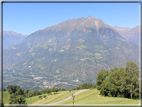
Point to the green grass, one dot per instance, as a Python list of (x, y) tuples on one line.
[(6, 97), (63, 95), (93, 97), (88, 97), (54, 97), (33, 99)]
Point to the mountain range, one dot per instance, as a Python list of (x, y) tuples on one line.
[(11, 38), (76, 49), (131, 35)]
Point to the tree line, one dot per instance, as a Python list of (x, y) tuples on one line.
[(119, 82), (85, 86)]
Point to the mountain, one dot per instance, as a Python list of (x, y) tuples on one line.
[(11, 38), (67, 54), (131, 35)]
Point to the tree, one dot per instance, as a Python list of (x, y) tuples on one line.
[(17, 99), (15, 89), (30, 93), (123, 82), (54, 89), (114, 69), (78, 87), (133, 70), (63, 89), (84, 86), (40, 97), (100, 77), (104, 88), (44, 96), (114, 82), (21, 99)]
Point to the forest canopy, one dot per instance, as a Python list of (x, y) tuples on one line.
[(119, 82)]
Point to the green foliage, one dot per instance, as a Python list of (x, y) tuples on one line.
[(85, 86), (100, 77), (121, 82), (30, 93), (40, 97), (54, 89), (62, 89), (44, 96), (4, 89), (16, 95), (14, 89), (17, 99)]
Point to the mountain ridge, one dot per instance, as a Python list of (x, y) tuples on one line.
[(11, 38), (67, 51), (130, 34)]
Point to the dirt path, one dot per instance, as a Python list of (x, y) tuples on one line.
[(65, 98)]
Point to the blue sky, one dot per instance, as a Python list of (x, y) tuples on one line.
[(26, 18)]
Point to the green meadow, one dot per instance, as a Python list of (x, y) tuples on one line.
[(88, 97), (55, 97), (93, 97), (6, 97)]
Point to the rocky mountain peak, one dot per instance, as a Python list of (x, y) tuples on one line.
[(91, 17)]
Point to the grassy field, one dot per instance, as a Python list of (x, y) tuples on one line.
[(6, 97), (88, 97), (34, 99), (55, 97), (93, 97)]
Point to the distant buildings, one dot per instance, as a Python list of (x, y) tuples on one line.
[(76, 80), (38, 78), (44, 83)]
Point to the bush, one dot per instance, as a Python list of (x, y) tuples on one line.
[(40, 97), (44, 96)]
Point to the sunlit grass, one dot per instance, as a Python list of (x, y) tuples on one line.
[(6, 97), (93, 97)]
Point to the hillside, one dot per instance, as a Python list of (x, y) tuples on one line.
[(132, 35), (12, 38), (6, 97), (93, 97), (66, 54), (88, 97)]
